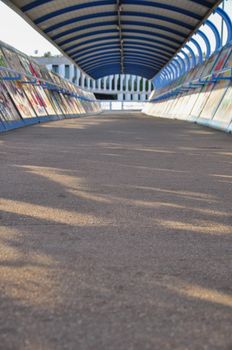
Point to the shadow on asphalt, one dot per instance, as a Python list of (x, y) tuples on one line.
[(115, 233)]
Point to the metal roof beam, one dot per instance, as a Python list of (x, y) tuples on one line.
[(119, 27)]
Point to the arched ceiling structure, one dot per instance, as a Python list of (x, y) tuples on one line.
[(117, 36)]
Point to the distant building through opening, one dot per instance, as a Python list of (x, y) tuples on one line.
[(125, 87)]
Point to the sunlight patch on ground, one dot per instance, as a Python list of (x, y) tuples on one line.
[(59, 176), (199, 226), (53, 215), (78, 123), (198, 292), (223, 176)]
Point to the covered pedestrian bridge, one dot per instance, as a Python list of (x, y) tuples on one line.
[(107, 37), (116, 226)]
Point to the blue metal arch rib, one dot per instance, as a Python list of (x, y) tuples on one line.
[(102, 15), (112, 23), (114, 42), (106, 31), (37, 3), (147, 37)]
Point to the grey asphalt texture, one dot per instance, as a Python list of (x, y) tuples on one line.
[(116, 234)]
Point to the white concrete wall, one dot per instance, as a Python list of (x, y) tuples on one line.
[(130, 85)]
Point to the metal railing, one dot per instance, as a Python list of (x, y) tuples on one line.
[(122, 105)]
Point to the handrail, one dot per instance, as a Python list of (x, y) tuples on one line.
[(208, 79), (39, 82)]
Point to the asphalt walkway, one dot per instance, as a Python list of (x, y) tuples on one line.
[(116, 234)]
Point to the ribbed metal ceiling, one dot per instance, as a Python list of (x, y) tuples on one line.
[(116, 36)]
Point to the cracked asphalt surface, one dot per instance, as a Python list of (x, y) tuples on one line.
[(116, 234)]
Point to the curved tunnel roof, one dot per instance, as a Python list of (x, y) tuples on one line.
[(107, 37)]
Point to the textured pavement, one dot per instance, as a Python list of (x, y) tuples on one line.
[(116, 234)]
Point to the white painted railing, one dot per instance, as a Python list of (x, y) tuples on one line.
[(122, 105)]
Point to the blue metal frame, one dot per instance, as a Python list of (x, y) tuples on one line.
[(36, 3), (130, 44), (199, 49), (216, 33), (174, 67), (96, 3), (126, 37), (187, 61), (193, 56), (194, 85), (177, 68), (129, 49), (142, 30), (177, 63), (127, 52), (123, 22), (161, 46), (101, 63), (107, 31), (36, 81), (207, 43), (186, 64), (182, 63), (227, 21), (8, 78), (101, 15)]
